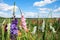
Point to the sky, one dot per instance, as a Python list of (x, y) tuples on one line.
[(30, 8)]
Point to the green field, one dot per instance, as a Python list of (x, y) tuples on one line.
[(38, 35)]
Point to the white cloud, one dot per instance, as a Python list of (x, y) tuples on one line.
[(8, 15), (56, 15), (57, 10), (47, 14), (30, 15), (5, 15), (27, 15), (7, 10), (44, 9), (44, 12), (6, 7), (43, 3)]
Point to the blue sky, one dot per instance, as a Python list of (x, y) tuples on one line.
[(31, 8)]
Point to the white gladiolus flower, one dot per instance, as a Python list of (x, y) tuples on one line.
[(34, 30), (8, 26), (52, 28), (43, 25)]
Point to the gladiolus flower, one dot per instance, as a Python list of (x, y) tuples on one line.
[(34, 30), (43, 25), (52, 28), (23, 23), (13, 28)]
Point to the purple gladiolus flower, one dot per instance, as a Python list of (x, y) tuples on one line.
[(13, 28), (15, 21)]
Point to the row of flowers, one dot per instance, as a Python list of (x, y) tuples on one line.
[(13, 26)]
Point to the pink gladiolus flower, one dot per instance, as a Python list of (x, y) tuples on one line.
[(23, 23)]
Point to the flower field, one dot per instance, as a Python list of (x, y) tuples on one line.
[(37, 29)]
